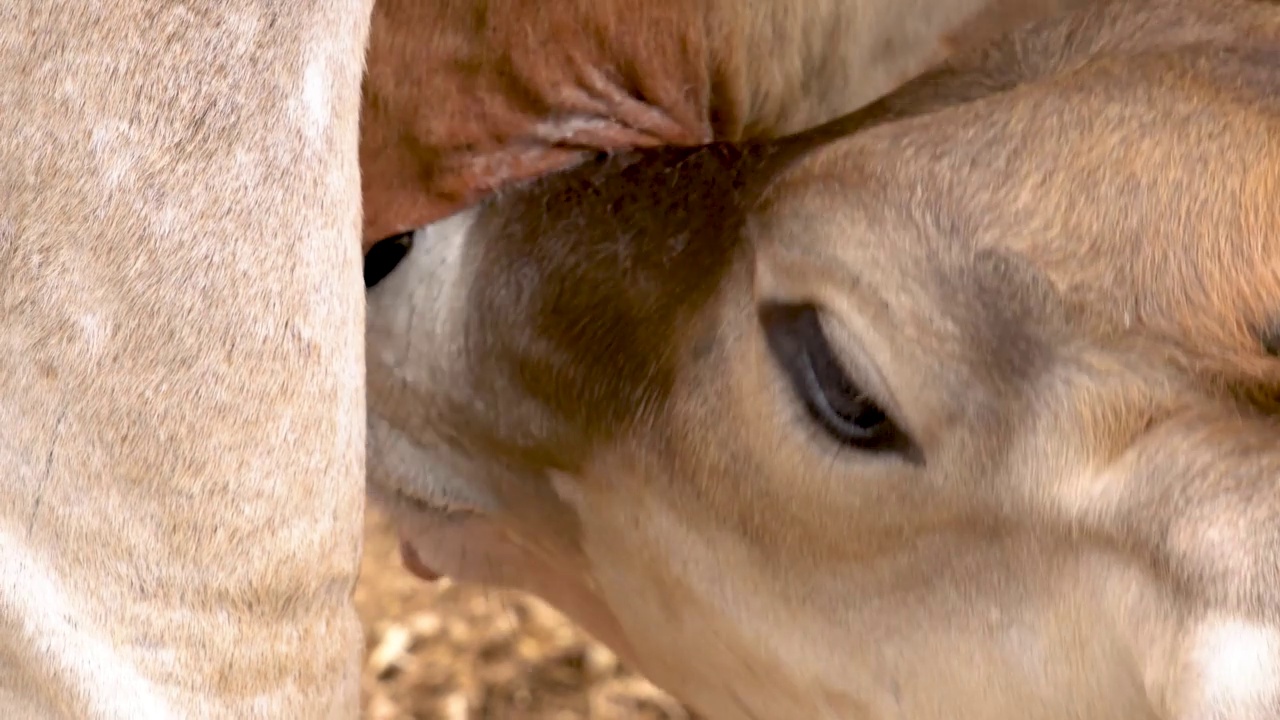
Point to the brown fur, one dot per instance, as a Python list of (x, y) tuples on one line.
[(463, 98), (1052, 263), (181, 397)]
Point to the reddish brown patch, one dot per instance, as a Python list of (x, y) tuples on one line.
[(463, 97)]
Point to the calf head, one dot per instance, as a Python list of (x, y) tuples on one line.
[(961, 406)]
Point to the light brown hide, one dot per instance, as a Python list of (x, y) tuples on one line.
[(1054, 263), (466, 97), (181, 373)]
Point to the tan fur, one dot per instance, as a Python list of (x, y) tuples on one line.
[(1054, 263), (181, 391), (464, 98)]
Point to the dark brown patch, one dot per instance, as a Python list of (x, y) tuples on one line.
[(587, 277), (1270, 338)]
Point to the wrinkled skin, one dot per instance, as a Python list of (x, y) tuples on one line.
[(463, 98)]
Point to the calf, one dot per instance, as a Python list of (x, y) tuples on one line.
[(960, 406)]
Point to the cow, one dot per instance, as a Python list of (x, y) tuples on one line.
[(182, 379), (182, 430), (962, 405)]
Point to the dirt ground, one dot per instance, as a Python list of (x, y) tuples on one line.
[(446, 651)]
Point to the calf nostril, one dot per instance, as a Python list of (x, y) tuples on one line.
[(384, 256)]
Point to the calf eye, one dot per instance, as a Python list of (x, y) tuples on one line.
[(844, 411)]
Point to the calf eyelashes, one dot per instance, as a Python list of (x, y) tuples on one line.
[(835, 402)]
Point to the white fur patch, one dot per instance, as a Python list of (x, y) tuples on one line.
[(1239, 667), (568, 129), (421, 298), (568, 492), (37, 615), (410, 335), (95, 331), (315, 97)]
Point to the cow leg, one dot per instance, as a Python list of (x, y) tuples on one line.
[(181, 358)]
